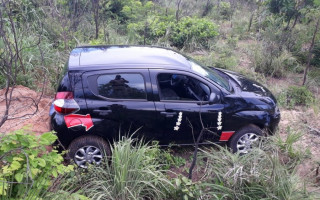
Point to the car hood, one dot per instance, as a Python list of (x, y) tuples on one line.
[(249, 88)]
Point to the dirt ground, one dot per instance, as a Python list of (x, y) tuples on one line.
[(23, 112), (306, 122)]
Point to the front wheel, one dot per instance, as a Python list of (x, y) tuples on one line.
[(245, 139), (88, 150)]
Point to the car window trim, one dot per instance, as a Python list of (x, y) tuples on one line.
[(178, 101), (116, 100)]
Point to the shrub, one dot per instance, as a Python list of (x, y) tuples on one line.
[(188, 33), (269, 61), (226, 10), (186, 189), (26, 166), (193, 29), (296, 95)]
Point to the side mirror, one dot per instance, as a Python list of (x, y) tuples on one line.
[(214, 98)]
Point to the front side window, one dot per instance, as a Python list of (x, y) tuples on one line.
[(122, 86), (181, 87)]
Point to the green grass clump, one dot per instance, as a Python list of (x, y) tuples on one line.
[(256, 175), (132, 172), (296, 96)]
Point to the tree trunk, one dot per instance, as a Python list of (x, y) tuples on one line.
[(295, 21), (287, 27), (178, 10), (95, 10), (195, 153), (250, 21), (310, 52)]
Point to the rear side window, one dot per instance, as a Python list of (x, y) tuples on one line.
[(122, 86)]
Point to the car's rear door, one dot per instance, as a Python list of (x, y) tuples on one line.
[(120, 102)]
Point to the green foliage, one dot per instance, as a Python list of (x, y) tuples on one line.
[(187, 33), (135, 9), (296, 95), (256, 175), (26, 166), (269, 61), (168, 160), (288, 147), (132, 173), (190, 30), (316, 55), (186, 189), (225, 10), (222, 56)]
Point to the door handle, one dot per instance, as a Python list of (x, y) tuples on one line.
[(168, 114), (102, 112)]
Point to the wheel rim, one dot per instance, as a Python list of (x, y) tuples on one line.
[(245, 143), (88, 154)]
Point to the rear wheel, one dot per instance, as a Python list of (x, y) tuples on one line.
[(245, 139), (88, 150)]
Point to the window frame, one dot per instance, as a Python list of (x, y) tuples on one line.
[(156, 74)]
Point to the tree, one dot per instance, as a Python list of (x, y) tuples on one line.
[(313, 14), (289, 9), (18, 20)]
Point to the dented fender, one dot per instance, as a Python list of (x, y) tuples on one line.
[(261, 117)]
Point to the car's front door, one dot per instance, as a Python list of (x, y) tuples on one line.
[(120, 103), (181, 109)]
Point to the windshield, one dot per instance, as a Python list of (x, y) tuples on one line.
[(209, 73)]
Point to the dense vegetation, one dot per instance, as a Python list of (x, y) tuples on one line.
[(265, 39)]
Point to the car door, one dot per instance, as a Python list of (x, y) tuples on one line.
[(120, 102), (181, 109)]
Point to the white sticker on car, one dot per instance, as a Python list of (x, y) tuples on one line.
[(219, 121), (178, 123)]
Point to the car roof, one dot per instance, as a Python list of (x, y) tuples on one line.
[(103, 57)]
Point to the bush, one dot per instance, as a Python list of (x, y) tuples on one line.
[(189, 30), (270, 62), (225, 10), (26, 166), (186, 189), (296, 96), (188, 33)]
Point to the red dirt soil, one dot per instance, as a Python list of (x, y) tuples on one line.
[(23, 111)]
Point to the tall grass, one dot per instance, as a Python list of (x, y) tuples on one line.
[(256, 175), (131, 173)]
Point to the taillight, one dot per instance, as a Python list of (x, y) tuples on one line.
[(64, 103)]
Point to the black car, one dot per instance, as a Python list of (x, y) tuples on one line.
[(111, 91)]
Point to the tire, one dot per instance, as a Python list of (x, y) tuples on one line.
[(88, 150), (244, 139)]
